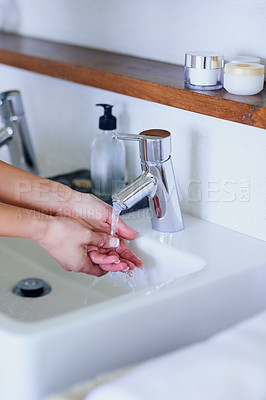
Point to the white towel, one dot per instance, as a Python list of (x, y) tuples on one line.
[(229, 366)]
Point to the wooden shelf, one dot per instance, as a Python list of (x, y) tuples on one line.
[(144, 79)]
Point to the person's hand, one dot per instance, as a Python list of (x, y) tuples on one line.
[(79, 249), (79, 226), (127, 260), (97, 214)]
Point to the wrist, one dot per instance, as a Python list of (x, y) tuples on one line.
[(39, 226), (68, 203), (48, 232), (55, 198)]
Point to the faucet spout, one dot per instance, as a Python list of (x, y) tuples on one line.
[(144, 185)]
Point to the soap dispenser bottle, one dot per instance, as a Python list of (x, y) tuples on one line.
[(107, 157)]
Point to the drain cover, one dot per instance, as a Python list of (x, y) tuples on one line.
[(32, 287)]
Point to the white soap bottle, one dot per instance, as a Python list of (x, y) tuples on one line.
[(108, 163)]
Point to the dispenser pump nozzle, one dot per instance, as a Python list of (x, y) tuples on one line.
[(107, 121)]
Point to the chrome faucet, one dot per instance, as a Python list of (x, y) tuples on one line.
[(15, 132), (157, 181)]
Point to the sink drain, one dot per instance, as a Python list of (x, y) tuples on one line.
[(32, 287)]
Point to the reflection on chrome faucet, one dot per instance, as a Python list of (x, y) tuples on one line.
[(15, 132), (157, 181)]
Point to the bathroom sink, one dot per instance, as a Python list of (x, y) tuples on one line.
[(22, 259), (193, 284)]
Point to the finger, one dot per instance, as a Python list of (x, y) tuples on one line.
[(127, 254), (90, 248), (125, 231), (101, 240), (130, 265), (87, 267), (122, 266), (100, 258), (93, 269)]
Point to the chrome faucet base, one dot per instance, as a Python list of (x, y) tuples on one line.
[(166, 215)]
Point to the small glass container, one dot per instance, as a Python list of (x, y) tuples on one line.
[(204, 70), (243, 79)]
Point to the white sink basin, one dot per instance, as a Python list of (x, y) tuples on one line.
[(193, 284), (21, 259)]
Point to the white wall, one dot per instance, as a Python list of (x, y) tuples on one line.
[(158, 29), (219, 165)]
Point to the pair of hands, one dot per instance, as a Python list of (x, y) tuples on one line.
[(78, 237)]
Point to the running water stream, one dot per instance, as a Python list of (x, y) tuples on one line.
[(113, 275), (115, 218)]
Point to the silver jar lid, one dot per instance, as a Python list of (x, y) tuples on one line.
[(204, 60)]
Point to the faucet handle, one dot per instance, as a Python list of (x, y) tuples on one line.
[(11, 104), (126, 136), (151, 134), (155, 134), (154, 144)]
